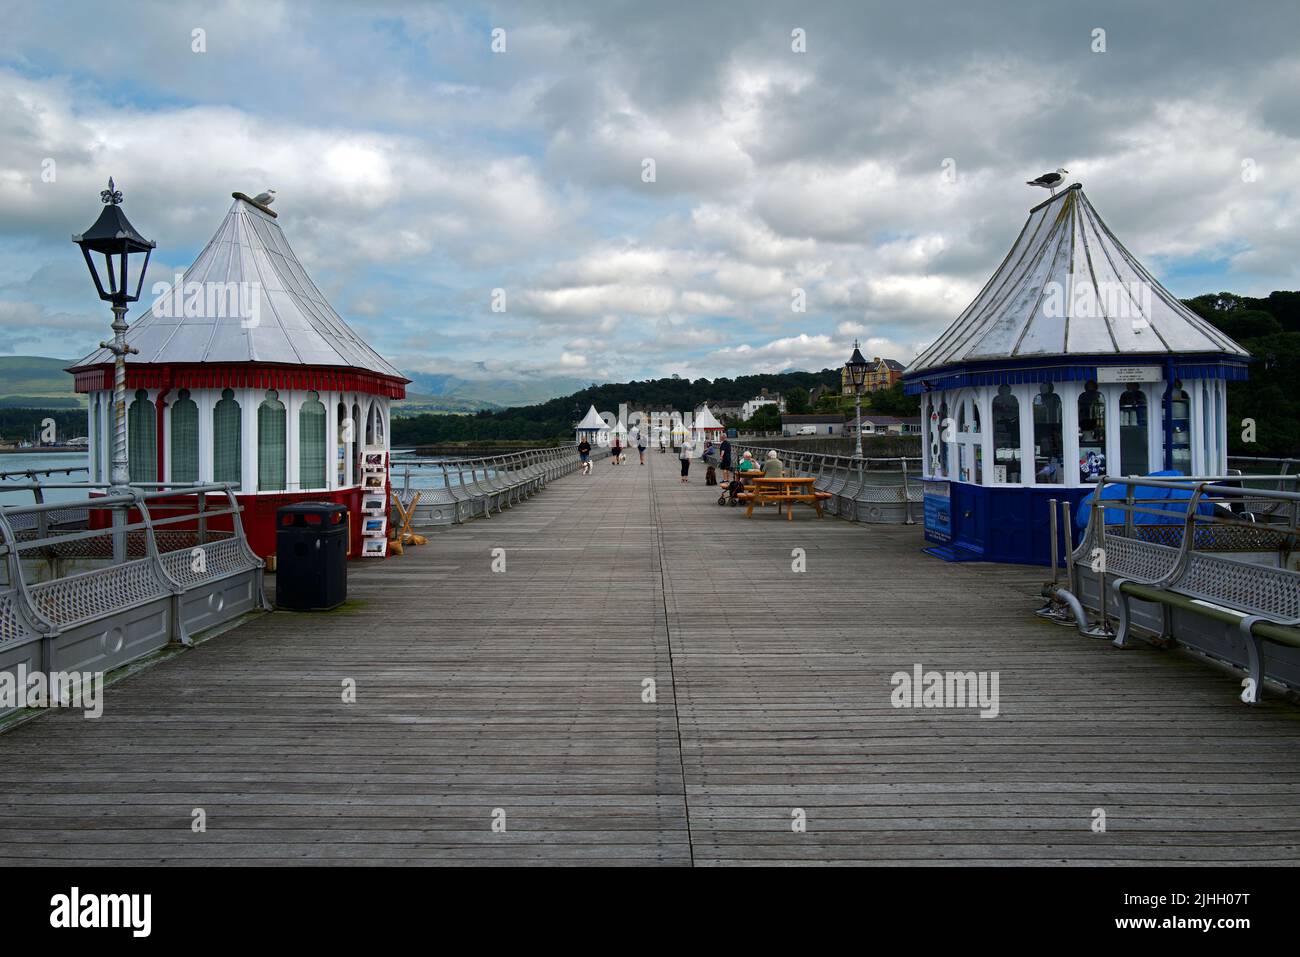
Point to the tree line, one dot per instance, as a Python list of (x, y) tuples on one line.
[(556, 418), (1268, 328)]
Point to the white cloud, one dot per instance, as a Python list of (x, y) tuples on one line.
[(416, 171)]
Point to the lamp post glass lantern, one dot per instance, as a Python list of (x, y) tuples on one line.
[(856, 368), (118, 282)]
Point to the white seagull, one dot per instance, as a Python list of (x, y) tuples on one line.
[(1049, 180), (265, 199)]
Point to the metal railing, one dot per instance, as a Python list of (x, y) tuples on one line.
[(17, 480), (451, 491), (94, 584), (870, 490), (1185, 561), (30, 474)]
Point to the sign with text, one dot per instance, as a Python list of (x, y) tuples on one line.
[(1126, 374), (938, 512)]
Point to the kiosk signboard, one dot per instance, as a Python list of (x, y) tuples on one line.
[(938, 512)]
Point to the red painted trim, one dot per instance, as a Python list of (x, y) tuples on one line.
[(241, 375), (258, 516)]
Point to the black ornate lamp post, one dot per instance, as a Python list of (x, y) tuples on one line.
[(856, 368), (113, 237)]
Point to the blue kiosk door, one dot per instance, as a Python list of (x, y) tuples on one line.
[(970, 516)]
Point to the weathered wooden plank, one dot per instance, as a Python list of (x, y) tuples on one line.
[(522, 690)]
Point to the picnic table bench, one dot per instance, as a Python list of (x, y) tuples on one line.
[(784, 491)]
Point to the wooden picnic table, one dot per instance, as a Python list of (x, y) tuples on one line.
[(785, 491)]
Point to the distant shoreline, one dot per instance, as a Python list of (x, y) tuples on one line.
[(65, 449)]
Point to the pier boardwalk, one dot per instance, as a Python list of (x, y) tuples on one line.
[(518, 696)]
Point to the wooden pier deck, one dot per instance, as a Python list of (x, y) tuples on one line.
[(482, 692)]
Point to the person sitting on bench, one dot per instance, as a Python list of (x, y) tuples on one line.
[(773, 467)]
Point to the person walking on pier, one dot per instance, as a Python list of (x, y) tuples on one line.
[(616, 451), (724, 459), (584, 456), (685, 454), (640, 447)]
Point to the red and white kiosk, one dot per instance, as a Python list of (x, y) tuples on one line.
[(245, 374)]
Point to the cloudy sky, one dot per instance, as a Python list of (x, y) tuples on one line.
[(418, 170)]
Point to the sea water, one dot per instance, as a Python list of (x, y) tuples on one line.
[(17, 461), (427, 475)]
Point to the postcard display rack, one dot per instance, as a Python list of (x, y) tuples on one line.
[(374, 502)]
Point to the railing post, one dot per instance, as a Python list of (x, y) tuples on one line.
[(1067, 532), (202, 504), (1099, 536), (1051, 506), (907, 497)]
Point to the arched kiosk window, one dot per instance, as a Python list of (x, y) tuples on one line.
[(142, 439), (970, 451), (1049, 451), (357, 443), (311, 443), (97, 412), (945, 436), (1092, 433), (227, 438), (271, 443), (933, 430), (185, 438), (1006, 436), (1134, 443), (1180, 420), (344, 445), (375, 425)]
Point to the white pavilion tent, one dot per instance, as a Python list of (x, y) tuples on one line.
[(707, 427), (592, 428)]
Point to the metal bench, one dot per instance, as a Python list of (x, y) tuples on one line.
[(134, 597), (1244, 613), (1263, 604)]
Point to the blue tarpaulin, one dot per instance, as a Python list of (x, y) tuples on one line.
[(1176, 508)]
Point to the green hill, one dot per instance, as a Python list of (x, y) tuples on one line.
[(37, 382), (555, 418)]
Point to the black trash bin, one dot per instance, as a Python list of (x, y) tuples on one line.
[(311, 556)]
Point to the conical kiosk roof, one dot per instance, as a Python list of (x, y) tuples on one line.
[(1069, 287)]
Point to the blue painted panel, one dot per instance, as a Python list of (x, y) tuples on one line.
[(1010, 525)]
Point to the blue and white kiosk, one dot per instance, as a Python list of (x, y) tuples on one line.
[(1072, 362)]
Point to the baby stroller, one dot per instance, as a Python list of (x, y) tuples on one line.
[(730, 491)]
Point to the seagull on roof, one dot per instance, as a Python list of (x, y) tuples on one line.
[(265, 199), (1049, 180)]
